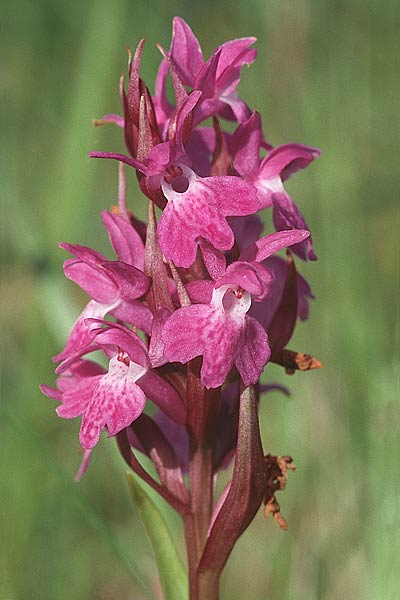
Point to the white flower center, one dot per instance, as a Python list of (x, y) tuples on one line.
[(121, 366), (232, 299)]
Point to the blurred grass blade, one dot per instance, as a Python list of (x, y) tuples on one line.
[(173, 577)]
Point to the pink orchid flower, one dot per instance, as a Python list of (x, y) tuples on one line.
[(218, 78), (116, 397), (221, 331), (115, 287), (269, 173), (196, 207)]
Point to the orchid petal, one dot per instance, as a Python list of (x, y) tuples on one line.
[(50, 392), (214, 260), (84, 253), (199, 148), (93, 280), (284, 321), (185, 51), (162, 106), (177, 437), (124, 339), (76, 399), (234, 55), (131, 282), (246, 229), (181, 119), (252, 277), (116, 403), (135, 313), (200, 211), (124, 238), (200, 291), (246, 142), (254, 351), (286, 160), (265, 311), (80, 334), (239, 108), (286, 215), (201, 330), (132, 162), (269, 244)]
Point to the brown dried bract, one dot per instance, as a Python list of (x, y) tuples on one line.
[(276, 474), (295, 361)]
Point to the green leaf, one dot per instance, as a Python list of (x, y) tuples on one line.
[(173, 577)]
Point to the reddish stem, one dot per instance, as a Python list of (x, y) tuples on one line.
[(203, 408)]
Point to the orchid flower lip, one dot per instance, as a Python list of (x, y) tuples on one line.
[(178, 179), (233, 299)]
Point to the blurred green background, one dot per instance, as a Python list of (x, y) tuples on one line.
[(324, 76)]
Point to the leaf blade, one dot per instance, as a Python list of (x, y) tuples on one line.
[(173, 577)]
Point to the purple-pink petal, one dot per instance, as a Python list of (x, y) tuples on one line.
[(214, 260), (80, 334), (200, 291), (124, 238), (92, 279), (201, 211), (200, 147), (162, 106), (135, 313), (206, 81), (183, 113), (234, 196), (286, 215), (187, 217), (203, 330), (79, 370), (185, 51), (252, 277), (234, 55), (286, 160), (254, 351), (51, 392), (77, 397), (117, 401), (122, 338), (246, 142), (177, 436), (235, 108), (130, 281), (132, 162), (274, 242), (246, 229), (83, 253), (264, 312)]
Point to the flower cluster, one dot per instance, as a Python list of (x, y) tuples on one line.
[(196, 302)]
